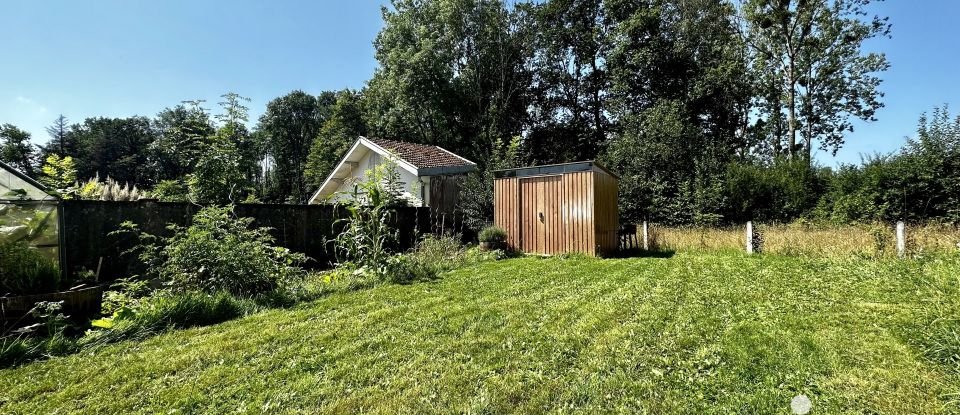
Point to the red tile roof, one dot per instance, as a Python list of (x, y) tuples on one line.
[(421, 156)]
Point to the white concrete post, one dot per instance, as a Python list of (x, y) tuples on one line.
[(646, 236), (750, 237), (901, 240)]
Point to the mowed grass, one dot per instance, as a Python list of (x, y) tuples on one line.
[(694, 333)]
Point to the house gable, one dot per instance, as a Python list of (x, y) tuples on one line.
[(415, 162)]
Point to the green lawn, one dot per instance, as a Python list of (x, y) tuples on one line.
[(695, 333)]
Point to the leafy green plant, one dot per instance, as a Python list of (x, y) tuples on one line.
[(492, 234), (367, 237), (24, 270), (171, 191), (219, 252), (60, 175)]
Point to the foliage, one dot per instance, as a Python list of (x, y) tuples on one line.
[(476, 192), (24, 270), (811, 71), (367, 237), (570, 81), (181, 133), (113, 147), (59, 174), (451, 73), (764, 328), (61, 142), (171, 191), (921, 181), (108, 190), (492, 234), (432, 256), (339, 131), (776, 193), (289, 125), (219, 252), (16, 149), (217, 177)]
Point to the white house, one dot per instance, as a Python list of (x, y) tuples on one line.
[(430, 174)]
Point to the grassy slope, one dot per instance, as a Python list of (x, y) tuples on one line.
[(717, 333)]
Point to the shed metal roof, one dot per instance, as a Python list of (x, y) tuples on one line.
[(548, 169)]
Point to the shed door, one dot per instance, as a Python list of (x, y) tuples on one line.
[(540, 214)]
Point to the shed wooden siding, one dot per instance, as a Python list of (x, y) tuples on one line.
[(506, 212), (606, 212), (580, 212)]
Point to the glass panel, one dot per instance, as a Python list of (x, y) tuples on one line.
[(28, 214)]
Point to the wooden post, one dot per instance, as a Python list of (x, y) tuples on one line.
[(901, 240), (749, 237), (646, 236)]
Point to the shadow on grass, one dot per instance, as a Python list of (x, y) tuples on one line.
[(640, 253)]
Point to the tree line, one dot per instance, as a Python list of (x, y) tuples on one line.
[(709, 111)]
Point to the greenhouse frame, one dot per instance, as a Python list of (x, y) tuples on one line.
[(29, 214)]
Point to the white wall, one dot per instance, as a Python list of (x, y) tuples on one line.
[(411, 183)]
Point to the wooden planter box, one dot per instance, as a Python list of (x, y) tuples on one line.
[(80, 302)]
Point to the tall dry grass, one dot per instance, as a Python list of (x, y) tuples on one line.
[(797, 239)]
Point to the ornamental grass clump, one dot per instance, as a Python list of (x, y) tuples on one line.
[(492, 237)]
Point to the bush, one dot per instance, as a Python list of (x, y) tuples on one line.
[(220, 252), (492, 234), (24, 270)]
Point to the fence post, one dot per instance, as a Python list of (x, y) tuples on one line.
[(646, 236), (901, 240), (749, 237)]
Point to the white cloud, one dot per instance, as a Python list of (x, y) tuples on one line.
[(40, 109)]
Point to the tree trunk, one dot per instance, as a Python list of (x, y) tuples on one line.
[(792, 110)]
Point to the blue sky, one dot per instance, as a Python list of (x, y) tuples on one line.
[(121, 58)]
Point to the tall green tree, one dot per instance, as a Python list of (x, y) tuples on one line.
[(808, 56), (570, 82), (679, 96), (452, 73), (16, 149), (115, 148), (289, 127), (221, 174), (181, 133), (60, 139)]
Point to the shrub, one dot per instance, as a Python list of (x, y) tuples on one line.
[(492, 234), (24, 270), (219, 252)]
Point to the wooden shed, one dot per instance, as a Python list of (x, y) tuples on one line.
[(558, 208)]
